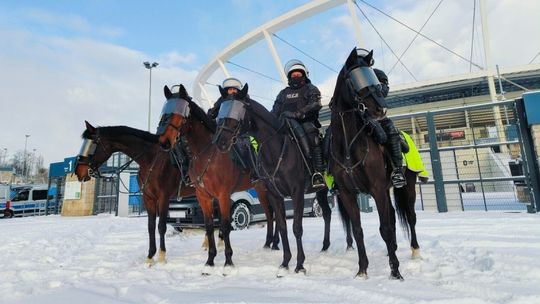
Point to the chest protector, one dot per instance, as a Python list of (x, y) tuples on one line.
[(295, 99)]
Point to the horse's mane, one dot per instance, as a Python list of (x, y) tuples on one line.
[(123, 131), (200, 115), (196, 111), (339, 83), (262, 113)]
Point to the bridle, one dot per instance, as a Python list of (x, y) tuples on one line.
[(180, 129), (86, 155), (235, 110)]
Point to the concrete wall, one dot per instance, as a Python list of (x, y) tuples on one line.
[(83, 206)]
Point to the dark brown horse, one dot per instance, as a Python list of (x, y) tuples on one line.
[(281, 166), (214, 174), (359, 164), (159, 180)]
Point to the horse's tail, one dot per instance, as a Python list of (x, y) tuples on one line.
[(401, 198)]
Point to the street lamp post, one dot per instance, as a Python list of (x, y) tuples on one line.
[(150, 66), (4, 158), (24, 161)]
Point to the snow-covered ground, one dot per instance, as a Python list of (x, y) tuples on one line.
[(467, 257)]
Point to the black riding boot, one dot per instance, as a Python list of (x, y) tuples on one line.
[(393, 145), (317, 180), (253, 172), (182, 159)]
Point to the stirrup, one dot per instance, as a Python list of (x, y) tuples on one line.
[(398, 179), (187, 181), (317, 180)]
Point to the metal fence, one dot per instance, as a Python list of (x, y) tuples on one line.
[(477, 156), (106, 194)]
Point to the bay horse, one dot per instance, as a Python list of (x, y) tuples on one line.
[(214, 174), (159, 180), (281, 167), (360, 164)]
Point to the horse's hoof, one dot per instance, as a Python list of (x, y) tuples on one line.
[(266, 247), (275, 247), (207, 270), (162, 258), (361, 275), (149, 262), (325, 247), (416, 254), (395, 275), (282, 271), (300, 269), (349, 249)]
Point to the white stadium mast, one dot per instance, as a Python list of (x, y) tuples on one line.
[(265, 31)]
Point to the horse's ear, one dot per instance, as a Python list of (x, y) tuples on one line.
[(167, 92), (243, 92), (369, 58), (183, 92), (352, 59), (89, 127), (222, 91)]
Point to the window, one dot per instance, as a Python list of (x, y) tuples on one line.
[(39, 195), (21, 196)]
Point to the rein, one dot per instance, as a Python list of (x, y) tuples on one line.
[(268, 176), (360, 110)]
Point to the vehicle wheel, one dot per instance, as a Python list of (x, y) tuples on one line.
[(240, 216), (317, 210), (8, 213)]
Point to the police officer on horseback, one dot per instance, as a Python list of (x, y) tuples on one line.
[(300, 103), (393, 140), (228, 89)]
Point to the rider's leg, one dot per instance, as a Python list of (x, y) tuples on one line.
[(393, 144), (316, 153)]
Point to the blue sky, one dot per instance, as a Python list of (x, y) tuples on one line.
[(64, 62)]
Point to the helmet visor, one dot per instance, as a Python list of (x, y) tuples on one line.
[(176, 106), (234, 109), (362, 77), (88, 148)]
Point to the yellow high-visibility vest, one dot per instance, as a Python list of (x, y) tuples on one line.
[(254, 143), (412, 159)]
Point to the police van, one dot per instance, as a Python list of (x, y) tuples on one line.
[(24, 200), (246, 209)]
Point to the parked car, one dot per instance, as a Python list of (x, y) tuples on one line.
[(246, 209), (25, 200)]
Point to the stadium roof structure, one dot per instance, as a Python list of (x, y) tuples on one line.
[(521, 78)]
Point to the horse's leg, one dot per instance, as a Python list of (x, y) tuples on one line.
[(268, 212), (298, 230), (346, 220), (322, 199), (225, 212), (206, 204), (275, 239), (348, 199), (162, 228), (151, 210), (281, 225), (387, 228), (411, 190)]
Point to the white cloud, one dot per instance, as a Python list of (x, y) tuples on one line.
[(175, 58), (50, 85), (69, 22)]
